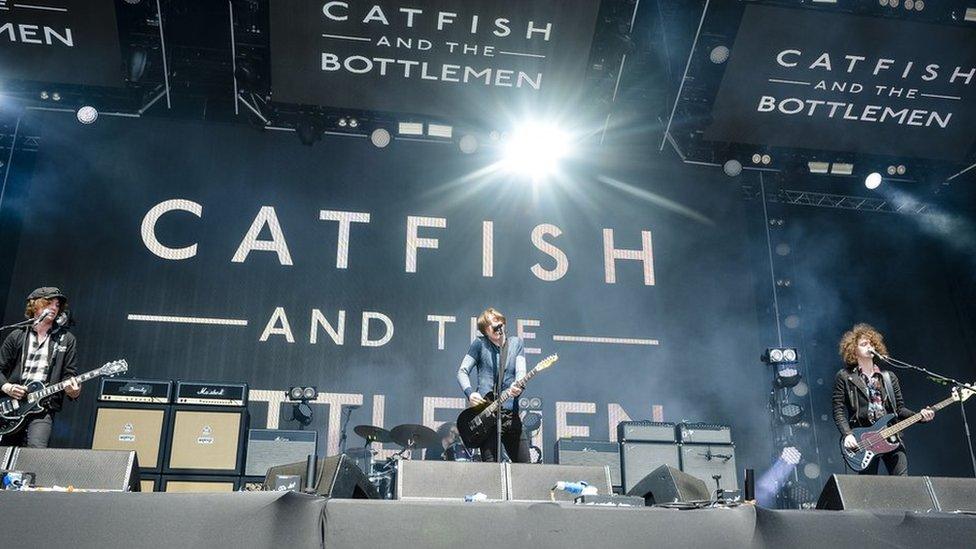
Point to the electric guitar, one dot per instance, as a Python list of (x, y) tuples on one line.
[(880, 438), (476, 423), (13, 412)]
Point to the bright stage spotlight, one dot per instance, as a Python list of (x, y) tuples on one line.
[(873, 180), (87, 114), (536, 150)]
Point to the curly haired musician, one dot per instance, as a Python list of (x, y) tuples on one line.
[(483, 356), (861, 396), (42, 352)]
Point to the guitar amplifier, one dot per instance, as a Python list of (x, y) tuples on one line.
[(136, 390), (645, 431), (138, 427), (590, 452), (206, 441), (269, 447), (704, 433), (206, 393), (708, 460)]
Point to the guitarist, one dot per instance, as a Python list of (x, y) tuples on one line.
[(862, 395), (42, 352), (484, 355)]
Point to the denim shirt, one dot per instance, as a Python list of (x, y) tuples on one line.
[(483, 355)]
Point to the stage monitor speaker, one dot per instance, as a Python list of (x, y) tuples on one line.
[(269, 447), (449, 480), (6, 452), (206, 442), (637, 459), (534, 482), (110, 470), (199, 484), (668, 485), (590, 452), (150, 483), (707, 460), (337, 477), (845, 492), (131, 428)]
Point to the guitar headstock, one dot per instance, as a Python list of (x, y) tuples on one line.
[(961, 394), (114, 368), (546, 362)]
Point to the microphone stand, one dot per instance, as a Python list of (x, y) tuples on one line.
[(502, 364), (962, 405), (21, 324), (342, 437)]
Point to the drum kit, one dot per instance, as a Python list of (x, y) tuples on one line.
[(409, 437)]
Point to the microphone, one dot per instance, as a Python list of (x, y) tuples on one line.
[(876, 353), (40, 318), (498, 328)]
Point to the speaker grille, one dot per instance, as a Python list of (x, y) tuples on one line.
[(703, 461), (130, 429), (449, 480), (6, 452), (83, 469), (600, 453), (206, 441), (269, 447), (531, 482), (844, 492)]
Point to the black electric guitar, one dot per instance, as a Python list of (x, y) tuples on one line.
[(13, 412), (476, 423), (880, 438)]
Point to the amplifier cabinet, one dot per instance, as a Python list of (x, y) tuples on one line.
[(590, 452), (199, 483), (150, 483), (211, 393), (707, 460), (145, 391), (269, 447), (645, 431), (704, 433), (638, 459), (206, 441), (142, 428)]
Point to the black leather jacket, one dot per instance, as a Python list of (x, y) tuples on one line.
[(851, 400), (62, 360)]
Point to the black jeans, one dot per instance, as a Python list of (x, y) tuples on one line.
[(35, 432), (895, 462), (515, 444)]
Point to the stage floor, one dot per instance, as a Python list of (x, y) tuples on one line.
[(289, 520)]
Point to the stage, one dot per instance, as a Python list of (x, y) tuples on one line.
[(286, 519)]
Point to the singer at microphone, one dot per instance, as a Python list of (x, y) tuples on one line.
[(42, 351), (864, 393)]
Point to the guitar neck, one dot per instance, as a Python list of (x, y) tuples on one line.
[(58, 387), (503, 398), (912, 420)]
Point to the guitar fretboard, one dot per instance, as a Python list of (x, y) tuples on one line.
[(912, 420), (58, 387), (507, 395)]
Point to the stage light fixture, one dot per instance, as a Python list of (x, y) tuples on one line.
[(56, 96), (380, 137), (531, 422), (811, 470), (766, 159), (87, 114), (440, 130), (411, 128), (530, 403), (891, 170), (818, 167), (841, 168), (780, 355), (732, 167), (873, 180), (756, 158), (536, 150), (301, 393), (343, 122), (719, 55), (45, 95), (900, 169), (801, 389), (970, 15), (468, 143), (791, 455), (790, 413), (786, 376)]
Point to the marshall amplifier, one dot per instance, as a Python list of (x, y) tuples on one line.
[(136, 390), (269, 447), (590, 452), (704, 433), (645, 431), (206, 393)]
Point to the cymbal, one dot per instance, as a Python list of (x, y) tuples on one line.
[(417, 436), (373, 433)]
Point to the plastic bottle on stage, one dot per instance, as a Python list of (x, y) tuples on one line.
[(476, 497), (577, 488)]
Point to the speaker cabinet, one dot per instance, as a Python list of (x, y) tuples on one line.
[(132, 427), (449, 480), (705, 461), (6, 452), (533, 482), (337, 477), (668, 485), (591, 452), (199, 484), (269, 447), (150, 483), (637, 459), (109, 470), (845, 492), (206, 441)]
